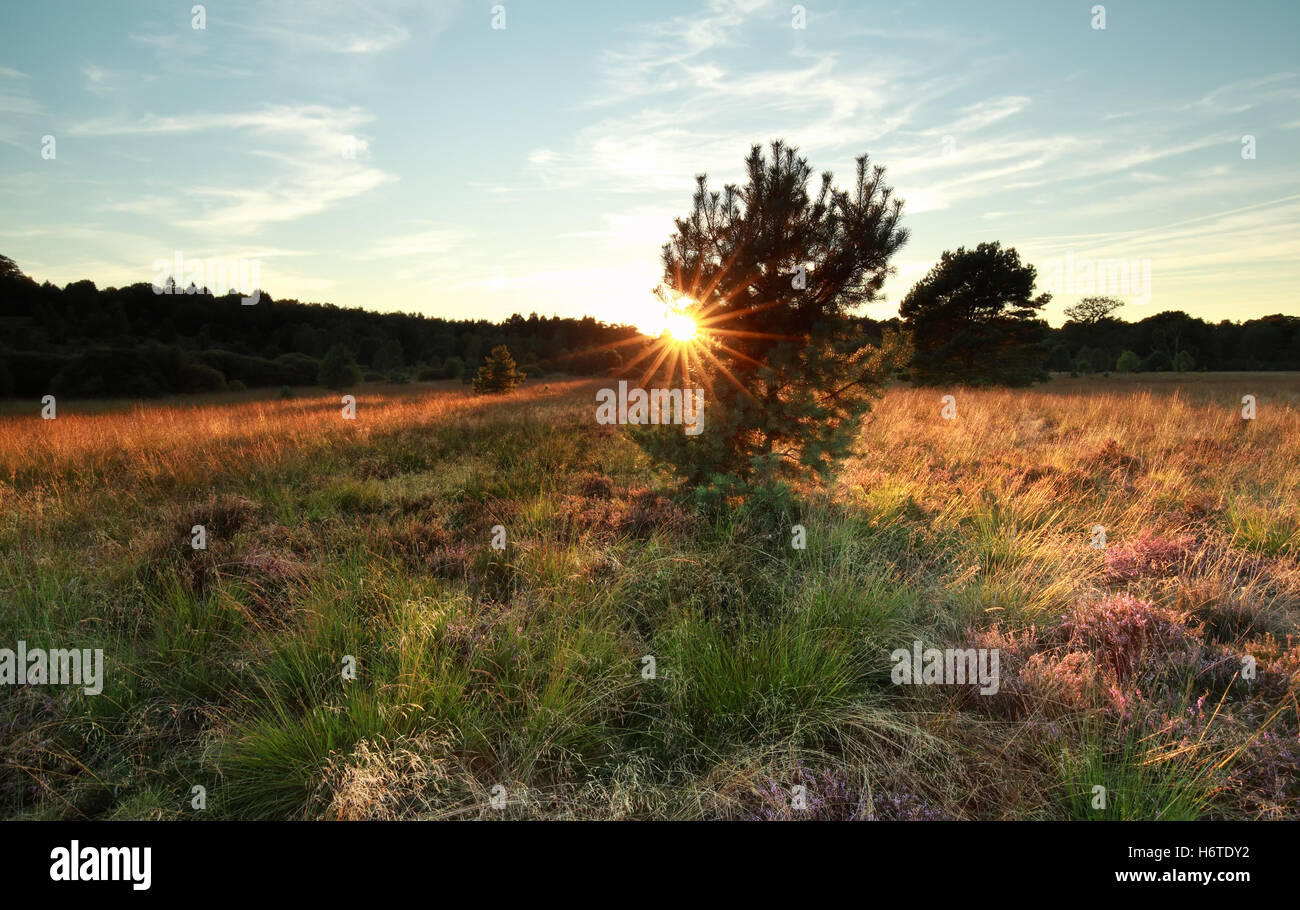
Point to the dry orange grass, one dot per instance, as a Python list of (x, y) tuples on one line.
[(181, 443), (1161, 453)]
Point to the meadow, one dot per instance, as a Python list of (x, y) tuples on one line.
[(513, 683)]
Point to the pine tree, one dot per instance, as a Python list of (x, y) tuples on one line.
[(975, 321), (771, 275), (498, 374)]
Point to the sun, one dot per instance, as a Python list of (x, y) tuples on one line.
[(681, 327)]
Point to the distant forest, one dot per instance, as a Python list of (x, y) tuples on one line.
[(1172, 340), (82, 341)]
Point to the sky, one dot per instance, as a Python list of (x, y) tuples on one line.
[(477, 159)]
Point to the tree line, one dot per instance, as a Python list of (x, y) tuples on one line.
[(1171, 340), (973, 320), (80, 340)]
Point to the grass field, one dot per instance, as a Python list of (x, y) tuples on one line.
[(512, 683)]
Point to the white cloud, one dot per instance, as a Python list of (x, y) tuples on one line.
[(306, 142), (982, 114), (97, 79), (343, 27), (1246, 94), (16, 101)]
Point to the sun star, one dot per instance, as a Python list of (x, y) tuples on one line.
[(680, 327)]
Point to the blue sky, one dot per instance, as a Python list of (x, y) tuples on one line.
[(538, 167)]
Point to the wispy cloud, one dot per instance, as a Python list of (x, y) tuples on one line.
[(1247, 94), (97, 79), (16, 102), (982, 114), (339, 26), (305, 149)]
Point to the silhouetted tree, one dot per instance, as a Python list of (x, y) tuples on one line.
[(771, 274), (974, 320), (1089, 323), (1091, 310), (9, 270)]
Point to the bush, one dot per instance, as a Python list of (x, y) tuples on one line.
[(1156, 361), (236, 385), (201, 378), (1184, 362), (338, 368), (453, 368), (146, 370), (1128, 362), (104, 372), (298, 369), (254, 372)]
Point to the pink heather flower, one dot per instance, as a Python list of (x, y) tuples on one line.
[(1149, 555), (1126, 632)]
